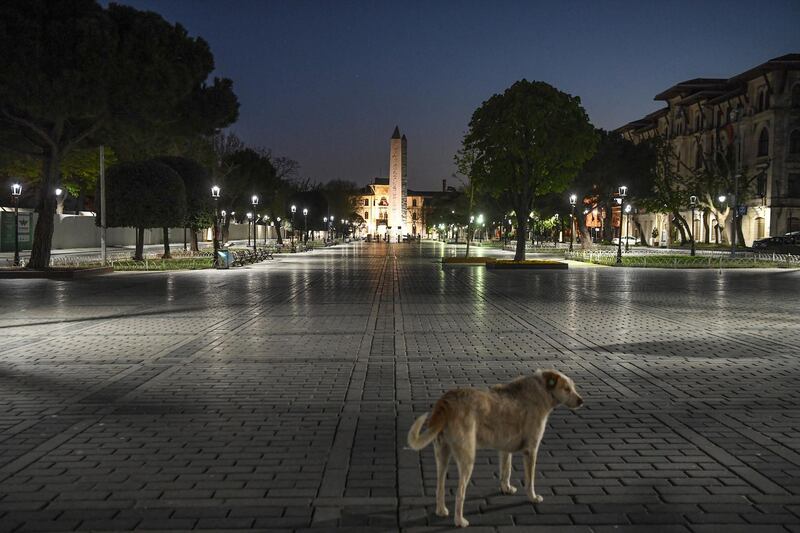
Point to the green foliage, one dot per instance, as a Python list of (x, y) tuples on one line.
[(341, 197), (197, 184), (73, 74), (248, 172), (144, 194), (529, 141)]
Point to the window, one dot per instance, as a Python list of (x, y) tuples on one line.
[(793, 190), (762, 102), (796, 95), (760, 229), (366, 202), (366, 215), (763, 143), (794, 142), (414, 202)]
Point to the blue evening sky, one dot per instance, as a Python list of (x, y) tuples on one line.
[(325, 82)]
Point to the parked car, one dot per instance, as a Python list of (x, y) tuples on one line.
[(630, 240), (788, 243)]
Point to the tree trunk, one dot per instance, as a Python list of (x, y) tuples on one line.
[(608, 226), (522, 227), (683, 227), (280, 240), (194, 246), (586, 235), (167, 254), (45, 207), (138, 254), (706, 229), (739, 232), (642, 236), (226, 228)]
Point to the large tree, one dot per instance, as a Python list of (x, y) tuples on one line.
[(144, 194), (197, 183), (528, 141), (73, 74)]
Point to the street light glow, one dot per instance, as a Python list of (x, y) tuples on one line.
[(215, 192), (16, 189), (573, 199), (294, 209), (254, 200), (721, 198), (59, 190), (305, 211)]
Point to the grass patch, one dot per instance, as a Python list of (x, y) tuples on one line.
[(683, 261), (178, 263)]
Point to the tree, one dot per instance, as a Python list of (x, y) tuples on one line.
[(197, 184), (616, 162), (144, 194), (528, 141), (248, 173), (341, 196), (73, 75)]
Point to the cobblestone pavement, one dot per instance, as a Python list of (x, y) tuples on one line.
[(278, 396)]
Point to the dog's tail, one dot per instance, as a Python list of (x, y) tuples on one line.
[(436, 423)]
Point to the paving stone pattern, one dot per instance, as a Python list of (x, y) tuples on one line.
[(277, 397)]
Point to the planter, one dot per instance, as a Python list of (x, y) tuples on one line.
[(527, 265), (467, 261), (54, 273)]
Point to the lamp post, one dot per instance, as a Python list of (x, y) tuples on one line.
[(16, 191), (249, 221), (305, 225), (621, 194), (254, 201), (734, 118), (215, 192), (627, 228), (692, 204), (294, 210), (278, 220), (327, 229), (573, 199), (265, 219)]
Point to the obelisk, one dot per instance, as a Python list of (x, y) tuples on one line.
[(398, 185)]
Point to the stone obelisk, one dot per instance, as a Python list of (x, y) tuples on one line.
[(398, 185)]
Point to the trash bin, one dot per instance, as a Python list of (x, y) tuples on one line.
[(224, 258)]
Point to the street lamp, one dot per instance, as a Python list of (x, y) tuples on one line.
[(692, 204), (249, 220), (327, 229), (294, 210), (621, 194), (215, 192), (265, 219), (627, 228), (280, 240), (305, 225), (16, 191), (254, 201), (573, 199)]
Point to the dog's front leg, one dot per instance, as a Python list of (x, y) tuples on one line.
[(529, 456), (505, 474)]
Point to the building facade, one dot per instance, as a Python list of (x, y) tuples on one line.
[(756, 116), (388, 208)]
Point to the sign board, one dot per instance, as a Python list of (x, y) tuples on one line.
[(25, 226)]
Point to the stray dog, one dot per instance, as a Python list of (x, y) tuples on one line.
[(509, 418)]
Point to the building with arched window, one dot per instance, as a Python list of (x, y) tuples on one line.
[(753, 119)]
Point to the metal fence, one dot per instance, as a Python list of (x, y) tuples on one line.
[(709, 259)]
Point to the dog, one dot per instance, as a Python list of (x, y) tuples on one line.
[(508, 418)]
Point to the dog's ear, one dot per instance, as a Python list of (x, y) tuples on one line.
[(550, 379)]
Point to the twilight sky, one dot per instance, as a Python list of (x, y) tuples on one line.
[(325, 82)]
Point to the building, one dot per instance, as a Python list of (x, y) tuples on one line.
[(388, 208), (757, 115)]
